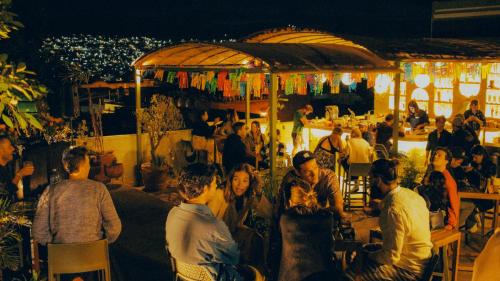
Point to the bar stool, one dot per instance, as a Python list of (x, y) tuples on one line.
[(356, 170)]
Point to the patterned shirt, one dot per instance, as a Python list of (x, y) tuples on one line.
[(79, 211)]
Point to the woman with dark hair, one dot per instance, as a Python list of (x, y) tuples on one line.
[(327, 149), (479, 174), (255, 142), (202, 136), (246, 211), (436, 197), (231, 118), (306, 236), (417, 118), (201, 127)]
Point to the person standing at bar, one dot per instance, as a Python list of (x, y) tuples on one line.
[(299, 120), (474, 118), (417, 118), (437, 138)]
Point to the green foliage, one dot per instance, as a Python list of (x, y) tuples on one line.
[(411, 169), (158, 119), (16, 82), (12, 216)]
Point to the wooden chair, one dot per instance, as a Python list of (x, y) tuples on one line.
[(356, 170), (78, 258), (429, 268), (189, 272), (381, 151)]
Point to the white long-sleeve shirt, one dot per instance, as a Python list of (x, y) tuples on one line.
[(359, 150), (404, 221)]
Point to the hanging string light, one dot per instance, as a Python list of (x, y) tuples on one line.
[(347, 79), (422, 80), (382, 82)]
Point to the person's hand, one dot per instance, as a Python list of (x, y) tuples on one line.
[(26, 171), (216, 120), (468, 168), (448, 227)]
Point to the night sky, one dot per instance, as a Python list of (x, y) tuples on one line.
[(205, 20)]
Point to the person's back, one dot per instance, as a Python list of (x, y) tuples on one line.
[(191, 231), (79, 211), (406, 212), (359, 150)]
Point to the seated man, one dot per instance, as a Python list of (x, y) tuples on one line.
[(194, 235), (404, 221), (78, 209), (323, 182)]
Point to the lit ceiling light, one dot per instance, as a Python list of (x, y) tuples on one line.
[(422, 80), (382, 83), (347, 79), (469, 90)]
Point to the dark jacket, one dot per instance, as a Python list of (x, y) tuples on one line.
[(464, 138), (433, 141), (202, 129), (235, 153)]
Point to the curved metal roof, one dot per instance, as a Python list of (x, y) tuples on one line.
[(258, 57), (296, 35)]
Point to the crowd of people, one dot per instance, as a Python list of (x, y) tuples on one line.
[(236, 232)]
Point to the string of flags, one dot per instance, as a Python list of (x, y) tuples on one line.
[(239, 83)]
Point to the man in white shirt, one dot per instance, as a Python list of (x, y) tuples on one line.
[(404, 221)]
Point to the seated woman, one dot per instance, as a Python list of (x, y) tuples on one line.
[(479, 174), (327, 148), (306, 235), (417, 118), (246, 212), (436, 197)]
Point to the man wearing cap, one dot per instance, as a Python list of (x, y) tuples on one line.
[(437, 138), (458, 157), (323, 181), (299, 120), (474, 118)]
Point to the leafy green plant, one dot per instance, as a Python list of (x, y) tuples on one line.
[(12, 216), (411, 169), (158, 119), (16, 81)]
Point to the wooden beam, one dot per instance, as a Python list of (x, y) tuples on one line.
[(397, 96), (273, 122), (138, 115)]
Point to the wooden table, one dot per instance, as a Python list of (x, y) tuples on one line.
[(481, 196), (442, 239), (484, 196)]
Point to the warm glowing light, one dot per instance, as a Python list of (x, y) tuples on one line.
[(347, 79), (420, 95), (443, 109), (382, 83), (422, 80), (443, 82), (469, 90)]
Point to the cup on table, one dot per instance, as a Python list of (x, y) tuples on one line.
[(372, 247)]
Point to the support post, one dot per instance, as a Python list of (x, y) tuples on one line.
[(273, 122), (138, 118), (247, 109), (397, 96)]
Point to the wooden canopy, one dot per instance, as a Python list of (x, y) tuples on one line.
[(269, 57)]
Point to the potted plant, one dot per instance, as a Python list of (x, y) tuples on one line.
[(157, 120)]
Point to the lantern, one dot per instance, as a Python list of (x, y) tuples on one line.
[(469, 90), (382, 83), (347, 79), (420, 95), (422, 80)]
